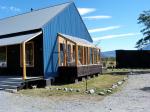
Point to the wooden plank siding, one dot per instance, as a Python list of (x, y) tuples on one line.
[(69, 74)]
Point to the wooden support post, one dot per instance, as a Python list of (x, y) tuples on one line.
[(24, 61), (88, 56), (97, 55), (58, 51), (71, 52), (76, 55), (93, 55), (83, 55), (65, 54)]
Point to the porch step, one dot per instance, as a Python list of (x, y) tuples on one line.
[(10, 82), (7, 83), (8, 86)]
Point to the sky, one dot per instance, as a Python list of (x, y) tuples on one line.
[(111, 23)]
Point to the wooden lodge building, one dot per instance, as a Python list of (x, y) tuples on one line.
[(47, 43)]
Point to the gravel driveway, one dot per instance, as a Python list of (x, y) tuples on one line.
[(135, 97)]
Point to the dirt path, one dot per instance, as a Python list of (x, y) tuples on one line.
[(135, 97)]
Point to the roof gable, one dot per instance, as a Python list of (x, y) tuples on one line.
[(31, 20)]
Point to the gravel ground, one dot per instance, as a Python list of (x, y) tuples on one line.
[(134, 97)]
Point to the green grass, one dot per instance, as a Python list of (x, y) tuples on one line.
[(98, 83)]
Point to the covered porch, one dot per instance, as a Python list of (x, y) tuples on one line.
[(77, 58), (17, 57)]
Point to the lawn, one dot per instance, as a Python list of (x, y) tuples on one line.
[(100, 83)]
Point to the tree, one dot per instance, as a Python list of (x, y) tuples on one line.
[(139, 44), (144, 19)]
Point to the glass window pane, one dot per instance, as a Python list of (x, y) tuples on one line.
[(3, 57), (62, 48), (29, 54)]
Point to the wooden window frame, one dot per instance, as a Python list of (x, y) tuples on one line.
[(21, 61), (88, 55), (5, 57)]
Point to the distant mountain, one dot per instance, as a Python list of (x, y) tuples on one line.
[(147, 47), (108, 54)]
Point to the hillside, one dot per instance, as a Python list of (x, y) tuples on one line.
[(108, 54)]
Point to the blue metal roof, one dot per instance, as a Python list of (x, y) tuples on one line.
[(78, 40), (17, 39), (30, 21)]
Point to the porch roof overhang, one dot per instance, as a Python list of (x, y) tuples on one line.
[(77, 40), (18, 39)]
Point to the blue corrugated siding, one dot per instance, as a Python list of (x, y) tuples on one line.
[(67, 22)]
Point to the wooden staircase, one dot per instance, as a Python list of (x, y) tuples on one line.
[(11, 83)]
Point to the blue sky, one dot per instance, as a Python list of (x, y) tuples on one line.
[(111, 23)]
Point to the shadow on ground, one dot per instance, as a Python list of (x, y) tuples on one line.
[(147, 89)]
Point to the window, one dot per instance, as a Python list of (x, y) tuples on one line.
[(62, 50), (91, 55), (85, 55), (3, 57), (80, 55), (29, 54), (95, 56), (68, 53), (74, 52)]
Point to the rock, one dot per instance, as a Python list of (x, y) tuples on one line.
[(124, 79), (65, 89), (70, 89), (120, 82), (87, 92), (91, 91), (78, 90), (14, 91), (50, 88), (131, 73), (34, 86), (47, 87), (109, 91), (11, 90), (104, 90), (114, 86), (101, 93), (59, 89)]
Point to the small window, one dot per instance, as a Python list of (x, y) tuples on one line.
[(95, 56), (68, 53), (91, 56), (29, 54), (85, 55), (80, 55), (74, 52), (62, 50), (3, 57)]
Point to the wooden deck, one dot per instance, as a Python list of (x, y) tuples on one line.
[(16, 82), (70, 73)]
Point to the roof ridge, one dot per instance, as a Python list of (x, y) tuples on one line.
[(58, 13), (37, 10)]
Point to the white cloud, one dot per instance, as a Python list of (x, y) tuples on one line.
[(104, 29), (84, 11), (10, 8), (115, 36), (97, 17)]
